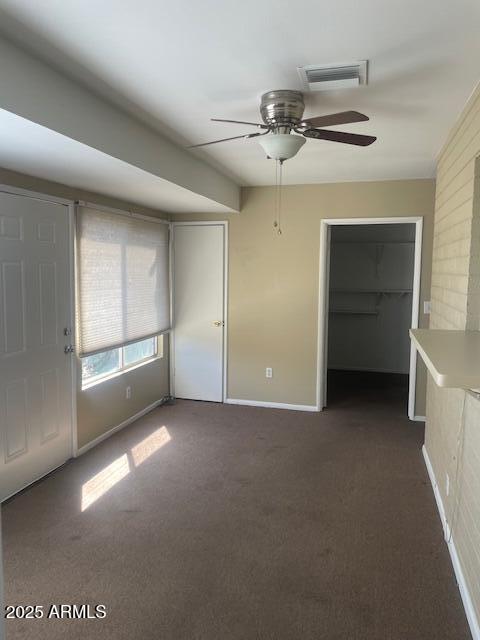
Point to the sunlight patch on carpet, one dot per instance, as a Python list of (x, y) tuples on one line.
[(103, 481), (150, 445)]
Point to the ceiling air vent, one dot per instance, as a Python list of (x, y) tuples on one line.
[(327, 77)]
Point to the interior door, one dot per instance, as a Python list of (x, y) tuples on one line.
[(35, 372), (198, 309)]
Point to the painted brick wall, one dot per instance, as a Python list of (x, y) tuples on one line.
[(455, 294)]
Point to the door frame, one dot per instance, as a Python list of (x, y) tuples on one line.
[(36, 195), (323, 300), (210, 223)]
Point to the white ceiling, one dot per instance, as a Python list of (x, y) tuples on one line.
[(29, 148), (180, 63)]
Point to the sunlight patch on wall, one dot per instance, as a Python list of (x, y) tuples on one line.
[(150, 445), (103, 481)]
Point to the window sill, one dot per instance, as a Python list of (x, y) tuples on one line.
[(116, 374)]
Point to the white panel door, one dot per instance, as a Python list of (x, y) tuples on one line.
[(35, 373), (198, 275)]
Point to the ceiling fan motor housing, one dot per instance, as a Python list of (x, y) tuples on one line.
[(282, 110)]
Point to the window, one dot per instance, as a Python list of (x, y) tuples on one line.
[(102, 365), (138, 351), (123, 288)]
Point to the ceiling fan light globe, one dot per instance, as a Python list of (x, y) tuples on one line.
[(281, 146)]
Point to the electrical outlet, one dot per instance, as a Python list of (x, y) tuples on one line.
[(447, 484), (269, 372), (427, 307), (128, 393)]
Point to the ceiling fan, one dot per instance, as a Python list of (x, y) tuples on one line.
[(282, 115)]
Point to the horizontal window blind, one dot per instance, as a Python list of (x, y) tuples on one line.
[(122, 279)]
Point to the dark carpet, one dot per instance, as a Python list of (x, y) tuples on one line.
[(211, 522)]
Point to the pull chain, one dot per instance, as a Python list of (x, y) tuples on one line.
[(278, 196), (275, 204)]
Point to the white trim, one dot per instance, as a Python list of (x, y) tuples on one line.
[(122, 212), (419, 419), (73, 325), (35, 195), (272, 405), (323, 288), (472, 619), (225, 308), (197, 223), (322, 317), (171, 354), (110, 432), (188, 223), (391, 220), (412, 381)]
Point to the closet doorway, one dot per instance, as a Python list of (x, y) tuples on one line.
[(368, 300)]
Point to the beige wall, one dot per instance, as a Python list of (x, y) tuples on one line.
[(104, 406), (273, 280), (455, 305)]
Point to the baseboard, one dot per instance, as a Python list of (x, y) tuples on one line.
[(272, 405), (462, 585), (110, 432), (419, 418)]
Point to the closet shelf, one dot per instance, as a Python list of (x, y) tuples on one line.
[(354, 312), (380, 291), (373, 242), (452, 357)]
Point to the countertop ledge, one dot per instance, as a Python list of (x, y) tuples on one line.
[(452, 357)]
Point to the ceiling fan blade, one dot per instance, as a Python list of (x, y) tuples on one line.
[(340, 136), (205, 144), (253, 124), (344, 117)]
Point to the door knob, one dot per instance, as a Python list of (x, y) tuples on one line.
[(217, 323)]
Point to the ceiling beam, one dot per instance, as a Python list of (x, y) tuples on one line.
[(35, 91)]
